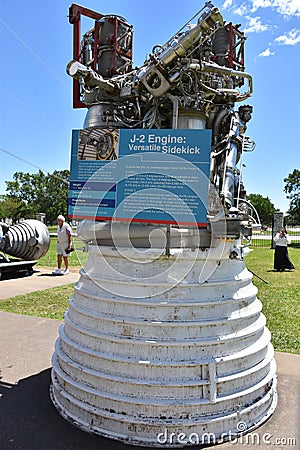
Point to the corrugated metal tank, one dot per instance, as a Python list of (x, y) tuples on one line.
[(165, 351)]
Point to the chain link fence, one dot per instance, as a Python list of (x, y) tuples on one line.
[(263, 238)]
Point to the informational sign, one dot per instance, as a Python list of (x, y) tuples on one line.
[(140, 175)]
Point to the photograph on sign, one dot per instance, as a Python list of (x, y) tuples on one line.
[(98, 144)]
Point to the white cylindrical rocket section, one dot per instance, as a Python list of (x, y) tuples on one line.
[(164, 351)]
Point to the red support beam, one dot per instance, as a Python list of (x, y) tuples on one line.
[(75, 13)]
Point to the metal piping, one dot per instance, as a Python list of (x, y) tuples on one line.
[(78, 70), (212, 68)]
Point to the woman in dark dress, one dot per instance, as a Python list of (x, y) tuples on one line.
[(281, 257)]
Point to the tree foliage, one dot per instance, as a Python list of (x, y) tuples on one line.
[(263, 206), (39, 193), (10, 207), (292, 188)]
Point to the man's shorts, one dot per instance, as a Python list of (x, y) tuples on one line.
[(60, 249)]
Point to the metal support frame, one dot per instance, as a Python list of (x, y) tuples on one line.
[(236, 56), (75, 13)]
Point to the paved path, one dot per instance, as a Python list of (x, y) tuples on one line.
[(41, 279), (29, 421)]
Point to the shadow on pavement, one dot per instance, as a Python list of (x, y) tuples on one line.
[(28, 420), (50, 274)]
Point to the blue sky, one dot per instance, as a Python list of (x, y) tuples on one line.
[(36, 93)]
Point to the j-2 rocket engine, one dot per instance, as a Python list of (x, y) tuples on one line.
[(167, 350), (193, 81)]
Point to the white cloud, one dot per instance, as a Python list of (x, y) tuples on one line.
[(266, 53), (261, 4), (242, 10), (227, 4), (290, 38), (255, 25), (284, 7)]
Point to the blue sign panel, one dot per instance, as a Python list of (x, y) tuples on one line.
[(153, 176)]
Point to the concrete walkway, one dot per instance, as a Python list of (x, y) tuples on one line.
[(29, 421), (41, 279)]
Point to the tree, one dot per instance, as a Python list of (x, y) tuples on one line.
[(263, 206), (11, 207), (40, 192), (292, 188)]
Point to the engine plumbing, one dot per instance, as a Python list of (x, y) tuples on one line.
[(193, 81)]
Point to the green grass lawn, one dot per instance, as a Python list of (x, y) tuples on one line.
[(76, 259), (280, 297)]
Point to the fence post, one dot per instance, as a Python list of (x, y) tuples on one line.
[(277, 224)]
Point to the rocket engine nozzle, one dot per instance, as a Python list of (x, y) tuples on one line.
[(28, 240)]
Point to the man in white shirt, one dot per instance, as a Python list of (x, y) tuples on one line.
[(64, 245)]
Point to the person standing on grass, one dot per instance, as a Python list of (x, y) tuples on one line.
[(281, 256), (64, 245)]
